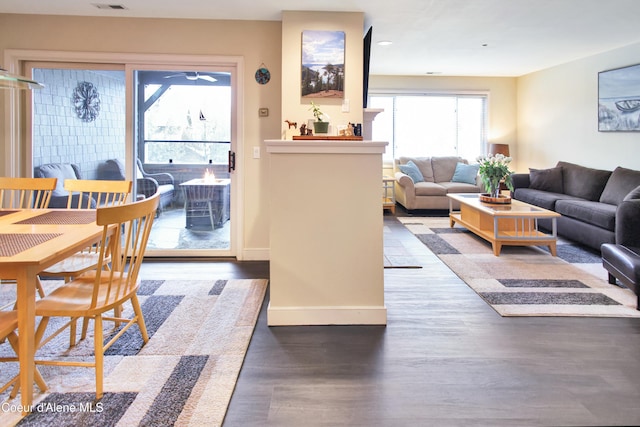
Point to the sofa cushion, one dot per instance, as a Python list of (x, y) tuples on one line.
[(585, 183), (61, 171), (621, 182), (412, 170), (444, 167), (595, 213), (465, 173), (544, 199), (430, 189), (460, 187), (546, 179)]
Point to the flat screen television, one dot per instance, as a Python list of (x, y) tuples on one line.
[(365, 67)]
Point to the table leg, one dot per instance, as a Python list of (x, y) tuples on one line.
[(26, 297), (497, 247)]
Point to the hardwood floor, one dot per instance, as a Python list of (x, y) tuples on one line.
[(444, 359)]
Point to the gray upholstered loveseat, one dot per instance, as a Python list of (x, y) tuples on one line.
[(437, 176), (62, 172), (597, 206)]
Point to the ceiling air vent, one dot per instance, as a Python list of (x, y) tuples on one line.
[(110, 6)]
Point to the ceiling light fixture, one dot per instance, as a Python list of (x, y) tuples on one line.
[(384, 42), (109, 6), (430, 73), (12, 81)]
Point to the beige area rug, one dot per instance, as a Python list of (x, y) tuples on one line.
[(185, 375), (526, 281)]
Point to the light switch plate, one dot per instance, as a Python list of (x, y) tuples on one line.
[(345, 106), (256, 152)]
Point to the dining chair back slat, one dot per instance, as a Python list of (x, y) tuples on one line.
[(26, 193)]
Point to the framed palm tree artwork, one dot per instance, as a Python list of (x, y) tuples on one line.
[(322, 64)]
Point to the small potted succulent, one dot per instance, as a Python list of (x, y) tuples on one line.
[(319, 126)]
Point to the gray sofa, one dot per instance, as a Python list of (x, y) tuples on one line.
[(437, 176), (60, 196), (597, 206)]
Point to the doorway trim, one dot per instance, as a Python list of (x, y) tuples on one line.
[(16, 153)]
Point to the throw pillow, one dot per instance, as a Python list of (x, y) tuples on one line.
[(621, 182), (465, 173), (412, 170), (633, 194), (546, 179)]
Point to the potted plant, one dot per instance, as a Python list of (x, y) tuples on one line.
[(319, 126), (494, 170)]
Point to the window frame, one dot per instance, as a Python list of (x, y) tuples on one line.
[(390, 155)]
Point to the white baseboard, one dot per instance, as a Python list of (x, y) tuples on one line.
[(348, 315), (259, 254)]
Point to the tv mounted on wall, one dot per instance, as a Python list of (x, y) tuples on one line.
[(365, 67)]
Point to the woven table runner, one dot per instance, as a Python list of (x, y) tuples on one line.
[(3, 213), (12, 244), (62, 217)]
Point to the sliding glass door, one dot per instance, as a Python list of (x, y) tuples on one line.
[(168, 128), (183, 141)]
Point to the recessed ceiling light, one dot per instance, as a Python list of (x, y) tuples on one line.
[(430, 73), (384, 42)]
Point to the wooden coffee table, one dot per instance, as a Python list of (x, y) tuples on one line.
[(513, 224)]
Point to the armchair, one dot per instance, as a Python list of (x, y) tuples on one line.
[(150, 183), (147, 183)]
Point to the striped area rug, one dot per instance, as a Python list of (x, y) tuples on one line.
[(185, 375), (526, 280)]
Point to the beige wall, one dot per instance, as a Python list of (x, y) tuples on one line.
[(502, 99), (558, 116), (257, 41), (294, 107)]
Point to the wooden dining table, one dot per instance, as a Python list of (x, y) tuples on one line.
[(32, 240)]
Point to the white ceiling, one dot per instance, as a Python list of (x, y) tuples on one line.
[(442, 36)]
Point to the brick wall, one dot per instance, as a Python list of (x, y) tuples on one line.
[(59, 136)]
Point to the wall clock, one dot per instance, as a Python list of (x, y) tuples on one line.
[(263, 75), (86, 101)]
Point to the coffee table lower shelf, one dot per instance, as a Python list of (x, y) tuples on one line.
[(498, 236)]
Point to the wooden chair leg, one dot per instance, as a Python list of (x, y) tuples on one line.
[(98, 345), (72, 332), (138, 312)]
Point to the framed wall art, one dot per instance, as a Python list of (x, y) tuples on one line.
[(619, 99), (322, 64)]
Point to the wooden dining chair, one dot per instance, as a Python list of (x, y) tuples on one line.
[(87, 194), (8, 326), (91, 295), (26, 193)]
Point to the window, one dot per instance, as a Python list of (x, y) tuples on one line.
[(431, 124), (185, 119)]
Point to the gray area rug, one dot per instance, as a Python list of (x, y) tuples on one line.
[(526, 280), (185, 375)]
